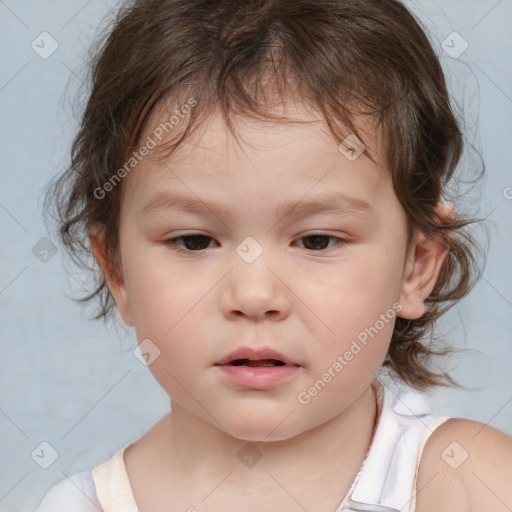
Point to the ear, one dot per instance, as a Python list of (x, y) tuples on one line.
[(113, 275), (424, 262)]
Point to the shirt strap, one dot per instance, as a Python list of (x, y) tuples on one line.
[(429, 430), (113, 485)]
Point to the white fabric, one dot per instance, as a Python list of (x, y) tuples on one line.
[(386, 483), (388, 478), (76, 494)]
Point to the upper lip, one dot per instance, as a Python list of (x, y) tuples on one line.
[(255, 354)]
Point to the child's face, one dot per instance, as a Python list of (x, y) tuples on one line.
[(304, 296)]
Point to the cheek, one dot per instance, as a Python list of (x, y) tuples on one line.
[(167, 313), (168, 308), (354, 316), (343, 304), (152, 297)]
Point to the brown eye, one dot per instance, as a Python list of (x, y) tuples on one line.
[(191, 242), (319, 242)]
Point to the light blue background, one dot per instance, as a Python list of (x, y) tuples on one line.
[(71, 382)]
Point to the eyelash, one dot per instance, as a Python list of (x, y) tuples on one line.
[(172, 241)]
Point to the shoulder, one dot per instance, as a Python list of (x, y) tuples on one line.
[(466, 465), (76, 493)]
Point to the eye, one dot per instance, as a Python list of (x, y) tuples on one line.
[(198, 242), (317, 241), (193, 243)]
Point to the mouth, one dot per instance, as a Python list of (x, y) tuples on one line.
[(258, 369), (257, 363), (260, 357)]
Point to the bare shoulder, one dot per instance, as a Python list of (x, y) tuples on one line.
[(466, 466)]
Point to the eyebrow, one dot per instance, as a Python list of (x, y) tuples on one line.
[(334, 203)]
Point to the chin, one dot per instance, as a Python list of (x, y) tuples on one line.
[(251, 435), (262, 427)]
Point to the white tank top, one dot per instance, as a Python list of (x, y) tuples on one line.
[(385, 483)]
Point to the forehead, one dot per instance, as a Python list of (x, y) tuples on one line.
[(285, 156), (170, 117)]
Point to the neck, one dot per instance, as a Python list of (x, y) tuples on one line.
[(332, 452)]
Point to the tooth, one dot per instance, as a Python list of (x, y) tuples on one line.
[(263, 362)]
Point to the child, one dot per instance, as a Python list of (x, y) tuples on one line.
[(263, 128)]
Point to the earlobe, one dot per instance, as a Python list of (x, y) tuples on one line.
[(113, 276), (423, 267)]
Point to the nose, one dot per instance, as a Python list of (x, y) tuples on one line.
[(255, 291)]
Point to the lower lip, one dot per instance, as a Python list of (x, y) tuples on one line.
[(258, 377)]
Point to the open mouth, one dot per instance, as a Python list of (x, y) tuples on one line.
[(260, 371), (261, 362)]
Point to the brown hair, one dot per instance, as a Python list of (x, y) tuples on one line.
[(344, 57)]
